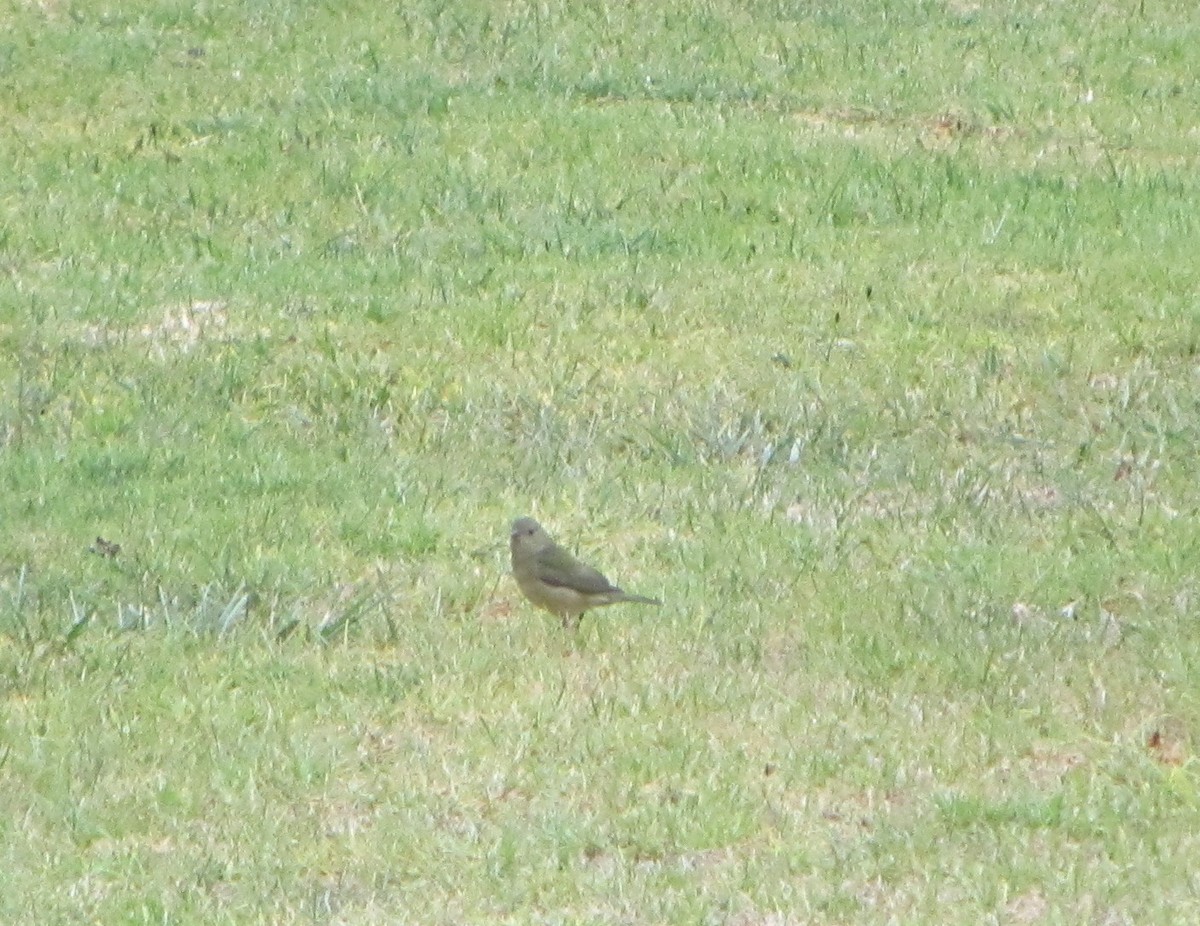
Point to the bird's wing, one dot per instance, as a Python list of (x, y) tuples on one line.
[(556, 566)]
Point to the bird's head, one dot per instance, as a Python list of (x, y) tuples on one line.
[(527, 534)]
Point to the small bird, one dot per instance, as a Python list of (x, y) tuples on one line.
[(557, 582)]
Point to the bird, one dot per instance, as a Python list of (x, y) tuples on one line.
[(554, 580)]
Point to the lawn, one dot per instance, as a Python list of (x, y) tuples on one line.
[(866, 335)]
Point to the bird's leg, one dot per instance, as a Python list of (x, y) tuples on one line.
[(572, 622)]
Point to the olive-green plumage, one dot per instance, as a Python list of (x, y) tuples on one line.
[(556, 581)]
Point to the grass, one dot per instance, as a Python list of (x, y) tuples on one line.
[(862, 334)]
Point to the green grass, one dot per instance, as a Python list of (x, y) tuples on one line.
[(863, 334)]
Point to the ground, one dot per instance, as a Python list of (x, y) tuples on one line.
[(864, 335)]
